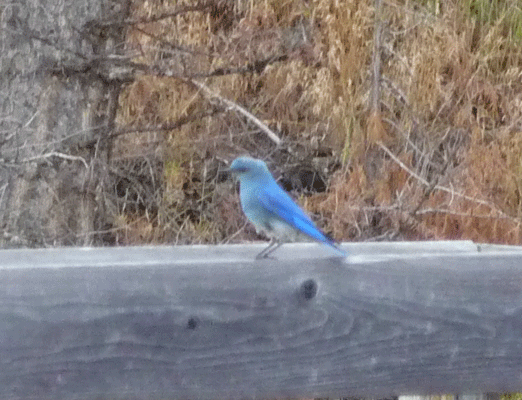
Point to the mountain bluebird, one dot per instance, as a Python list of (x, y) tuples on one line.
[(270, 208)]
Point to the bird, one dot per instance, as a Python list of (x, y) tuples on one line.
[(271, 210)]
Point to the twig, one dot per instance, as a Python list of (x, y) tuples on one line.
[(168, 126), (402, 165), (256, 66), (462, 214), (233, 106), (442, 188), (231, 238), (201, 6), (168, 44), (376, 60), (432, 187), (3, 189), (59, 155), (399, 209)]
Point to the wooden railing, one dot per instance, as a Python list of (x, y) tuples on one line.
[(210, 322)]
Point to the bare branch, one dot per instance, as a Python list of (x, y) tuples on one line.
[(257, 66), (168, 126), (233, 106), (468, 215), (56, 154), (442, 188), (200, 6), (376, 60)]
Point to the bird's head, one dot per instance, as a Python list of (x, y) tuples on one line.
[(249, 168)]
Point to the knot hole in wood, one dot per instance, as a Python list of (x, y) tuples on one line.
[(308, 289)]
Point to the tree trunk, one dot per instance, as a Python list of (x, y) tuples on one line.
[(55, 113)]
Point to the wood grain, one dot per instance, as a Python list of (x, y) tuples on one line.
[(210, 322)]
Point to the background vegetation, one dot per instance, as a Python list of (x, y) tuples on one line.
[(397, 120)]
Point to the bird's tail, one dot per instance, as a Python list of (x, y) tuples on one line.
[(338, 250)]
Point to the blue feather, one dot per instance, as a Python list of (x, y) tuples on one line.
[(271, 209)]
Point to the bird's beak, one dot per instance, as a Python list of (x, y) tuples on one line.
[(230, 172), (237, 170)]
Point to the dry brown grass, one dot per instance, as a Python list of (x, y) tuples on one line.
[(439, 159)]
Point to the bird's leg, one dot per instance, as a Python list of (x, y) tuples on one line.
[(267, 250), (273, 246)]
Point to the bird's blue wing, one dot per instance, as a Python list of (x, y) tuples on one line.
[(275, 200)]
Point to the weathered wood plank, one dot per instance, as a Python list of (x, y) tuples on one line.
[(210, 322), (141, 255)]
